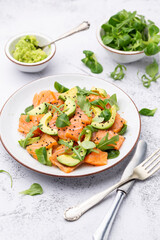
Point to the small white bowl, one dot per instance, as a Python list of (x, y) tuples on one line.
[(117, 55), (30, 67)]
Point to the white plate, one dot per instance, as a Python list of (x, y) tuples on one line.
[(23, 98)]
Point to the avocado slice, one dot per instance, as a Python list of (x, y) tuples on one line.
[(107, 124), (44, 125), (100, 91), (42, 108), (97, 111), (69, 107), (68, 160), (72, 93)]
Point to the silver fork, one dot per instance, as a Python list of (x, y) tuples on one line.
[(143, 171)]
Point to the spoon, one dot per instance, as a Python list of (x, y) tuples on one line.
[(83, 26)]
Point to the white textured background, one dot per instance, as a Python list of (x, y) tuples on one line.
[(41, 217)]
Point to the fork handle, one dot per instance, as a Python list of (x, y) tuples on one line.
[(83, 26), (76, 212)]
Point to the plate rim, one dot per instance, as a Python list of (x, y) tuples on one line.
[(70, 176)]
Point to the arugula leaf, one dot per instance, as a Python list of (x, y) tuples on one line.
[(103, 144), (27, 118), (3, 171), (84, 104), (85, 92), (34, 189), (128, 31), (123, 130), (28, 109), (147, 112), (151, 74), (62, 121), (60, 88), (113, 101), (91, 62), (102, 103), (66, 143), (85, 131), (113, 153), (88, 145), (118, 73), (24, 142)]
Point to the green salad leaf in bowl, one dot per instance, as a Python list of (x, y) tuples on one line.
[(128, 31)]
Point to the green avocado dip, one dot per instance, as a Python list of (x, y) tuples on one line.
[(26, 50)]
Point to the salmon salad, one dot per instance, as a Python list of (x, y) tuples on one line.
[(70, 127)]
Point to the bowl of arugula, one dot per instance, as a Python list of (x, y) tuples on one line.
[(128, 37)]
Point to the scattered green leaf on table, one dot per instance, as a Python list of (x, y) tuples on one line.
[(118, 73), (35, 189), (151, 74), (91, 62), (60, 88), (3, 171), (147, 112)]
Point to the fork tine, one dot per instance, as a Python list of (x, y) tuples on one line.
[(147, 159), (150, 162), (155, 170), (153, 166)]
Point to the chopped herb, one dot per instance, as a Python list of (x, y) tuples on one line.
[(147, 112), (35, 189)]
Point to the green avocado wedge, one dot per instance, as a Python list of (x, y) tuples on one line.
[(69, 107), (43, 125), (68, 160), (100, 91), (97, 111), (107, 124), (42, 108), (72, 93)]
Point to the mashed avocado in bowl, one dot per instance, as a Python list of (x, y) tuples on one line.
[(27, 51)]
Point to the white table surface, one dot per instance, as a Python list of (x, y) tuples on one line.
[(41, 217)]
